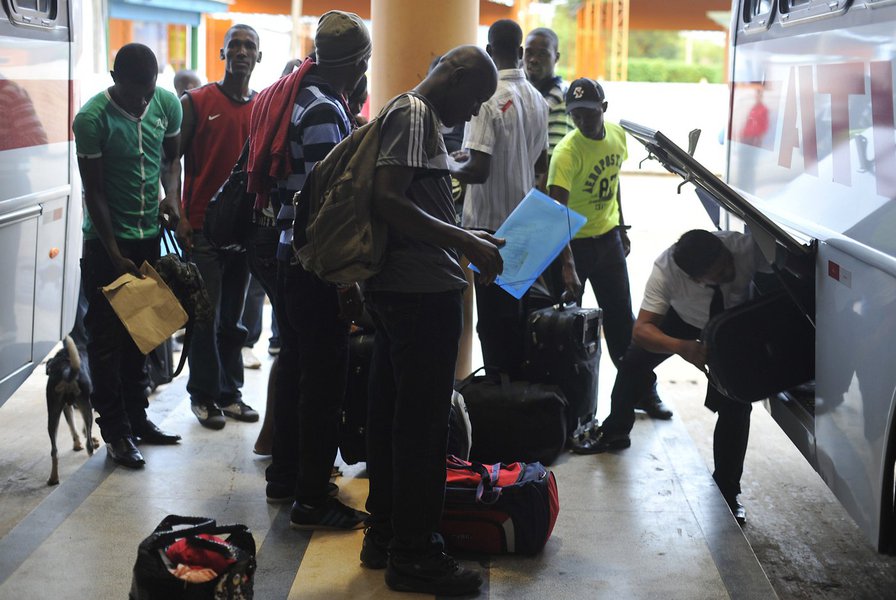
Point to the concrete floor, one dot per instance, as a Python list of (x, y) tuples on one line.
[(646, 522)]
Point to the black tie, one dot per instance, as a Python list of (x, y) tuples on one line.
[(717, 304)]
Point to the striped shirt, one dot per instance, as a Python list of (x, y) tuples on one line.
[(511, 128), (558, 121), (319, 121)]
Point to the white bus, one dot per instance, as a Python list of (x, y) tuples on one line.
[(42, 50), (811, 171)]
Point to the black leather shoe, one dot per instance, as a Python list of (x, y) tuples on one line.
[(150, 433), (602, 442), (739, 512), (124, 452), (654, 407)]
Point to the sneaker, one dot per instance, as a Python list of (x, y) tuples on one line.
[(375, 548), (332, 514), (240, 411), (278, 493), (209, 415), (437, 574), (250, 361)]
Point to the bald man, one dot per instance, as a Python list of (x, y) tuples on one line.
[(416, 303)]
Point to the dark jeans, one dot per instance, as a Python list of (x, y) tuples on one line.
[(601, 261), (253, 310), (501, 325), (216, 360), (119, 368), (315, 336), (732, 426), (412, 376)]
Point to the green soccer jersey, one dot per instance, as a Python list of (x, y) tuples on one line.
[(589, 170), (131, 149)]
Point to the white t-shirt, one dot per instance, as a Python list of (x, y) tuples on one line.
[(512, 128), (669, 286)]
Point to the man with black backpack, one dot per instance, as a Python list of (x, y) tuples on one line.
[(216, 121), (313, 369)]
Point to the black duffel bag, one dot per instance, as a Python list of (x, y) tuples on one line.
[(229, 212), (154, 570), (514, 420)]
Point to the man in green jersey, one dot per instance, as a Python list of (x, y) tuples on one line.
[(126, 138)]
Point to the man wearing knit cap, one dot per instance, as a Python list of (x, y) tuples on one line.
[(311, 380)]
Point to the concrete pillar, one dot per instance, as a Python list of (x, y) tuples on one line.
[(408, 34)]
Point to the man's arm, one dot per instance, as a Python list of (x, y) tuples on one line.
[(648, 335), (623, 228), (91, 170), (184, 231), (541, 170), (169, 208), (570, 278), (475, 169), (391, 203)]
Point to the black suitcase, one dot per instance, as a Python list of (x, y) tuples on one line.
[(353, 432), (563, 349), (514, 420), (760, 348), (160, 364)]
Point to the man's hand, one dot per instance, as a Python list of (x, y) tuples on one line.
[(351, 302), (169, 214), (571, 282), (184, 235), (481, 248), (626, 243), (693, 351), (461, 156), (125, 265)]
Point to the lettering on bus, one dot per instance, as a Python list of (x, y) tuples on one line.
[(839, 82)]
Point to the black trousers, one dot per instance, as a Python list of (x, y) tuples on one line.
[(118, 366), (732, 431)]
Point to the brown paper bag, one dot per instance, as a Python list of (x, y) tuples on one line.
[(147, 307)]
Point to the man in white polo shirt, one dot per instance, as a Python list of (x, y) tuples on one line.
[(507, 144)]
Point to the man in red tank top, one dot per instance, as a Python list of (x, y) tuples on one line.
[(215, 126)]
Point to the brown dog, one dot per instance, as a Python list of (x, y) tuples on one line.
[(68, 385)]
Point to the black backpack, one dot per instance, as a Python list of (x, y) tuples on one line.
[(229, 212)]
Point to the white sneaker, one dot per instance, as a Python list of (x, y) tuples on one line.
[(250, 361)]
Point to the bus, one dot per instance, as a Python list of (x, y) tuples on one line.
[(811, 172), (45, 46)]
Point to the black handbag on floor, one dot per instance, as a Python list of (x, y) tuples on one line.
[(153, 577), (514, 420)]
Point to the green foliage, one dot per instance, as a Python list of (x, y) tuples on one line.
[(655, 44), (660, 70)]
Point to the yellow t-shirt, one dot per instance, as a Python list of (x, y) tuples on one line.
[(589, 170)]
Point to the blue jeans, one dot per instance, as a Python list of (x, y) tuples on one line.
[(601, 260), (216, 361), (412, 378), (119, 368)]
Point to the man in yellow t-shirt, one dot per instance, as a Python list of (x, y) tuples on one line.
[(584, 174)]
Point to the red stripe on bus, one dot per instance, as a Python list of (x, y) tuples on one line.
[(34, 112)]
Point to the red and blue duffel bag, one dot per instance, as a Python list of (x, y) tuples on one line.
[(500, 508)]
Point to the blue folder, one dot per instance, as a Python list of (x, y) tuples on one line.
[(536, 232)]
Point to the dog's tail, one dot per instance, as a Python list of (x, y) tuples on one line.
[(74, 357)]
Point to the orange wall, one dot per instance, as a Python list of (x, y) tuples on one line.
[(214, 39), (644, 14)]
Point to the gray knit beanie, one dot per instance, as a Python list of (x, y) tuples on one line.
[(341, 39)]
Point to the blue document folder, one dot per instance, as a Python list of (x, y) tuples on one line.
[(536, 232)]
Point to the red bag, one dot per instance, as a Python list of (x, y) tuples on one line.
[(499, 508)]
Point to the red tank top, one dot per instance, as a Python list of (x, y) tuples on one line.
[(221, 128)]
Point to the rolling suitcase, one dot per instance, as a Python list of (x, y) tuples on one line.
[(759, 348), (514, 420), (353, 432), (563, 349)]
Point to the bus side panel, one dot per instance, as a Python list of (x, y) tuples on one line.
[(856, 366), (35, 198)]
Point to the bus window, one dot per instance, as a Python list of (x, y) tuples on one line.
[(33, 12)]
